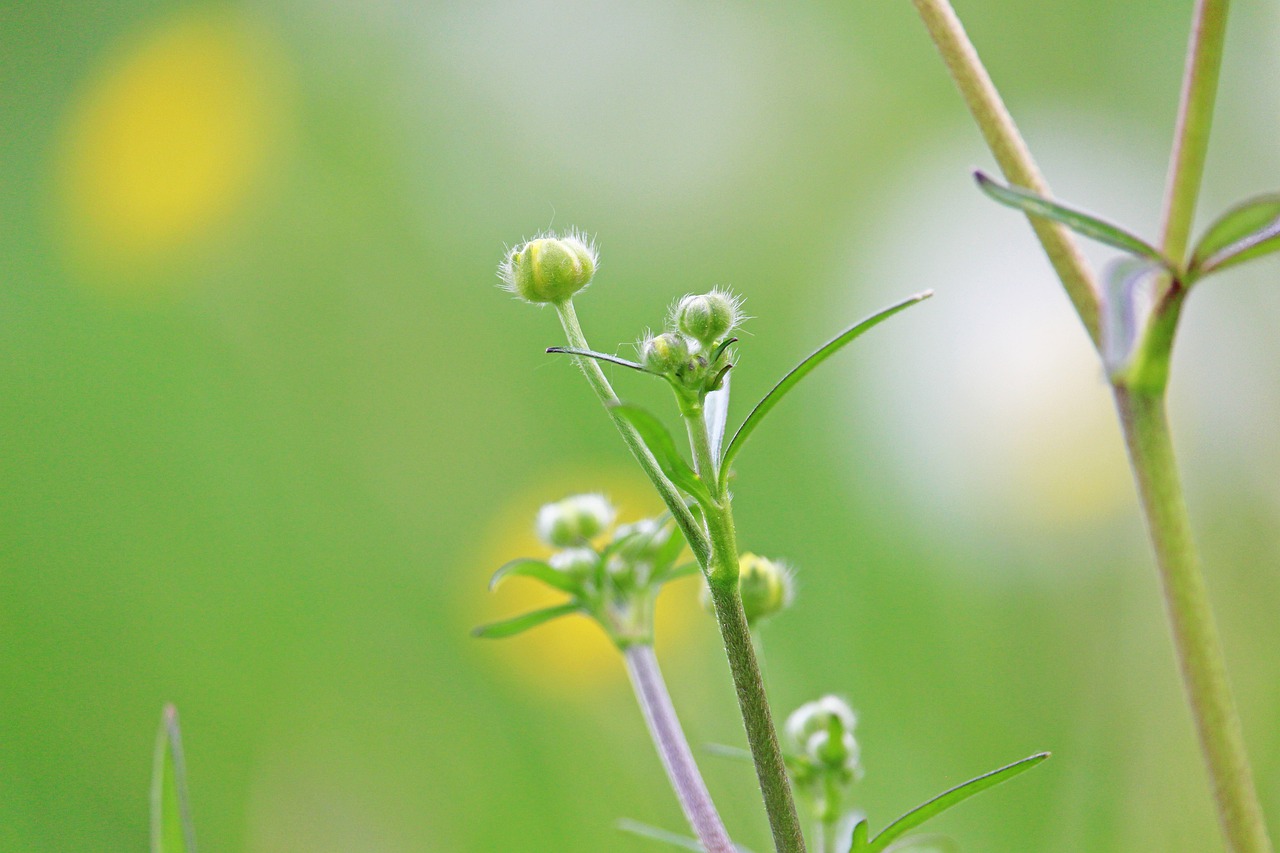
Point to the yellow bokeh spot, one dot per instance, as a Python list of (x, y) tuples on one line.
[(167, 141), (571, 655)]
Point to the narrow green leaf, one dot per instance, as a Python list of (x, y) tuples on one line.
[(1077, 221), (734, 753), (801, 370), (519, 624), (663, 448), (1247, 231), (172, 830), (536, 569), (860, 837), (600, 356), (947, 799)]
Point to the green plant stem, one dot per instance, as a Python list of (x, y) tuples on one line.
[(1013, 157), (599, 383), (673, 749), (1195, 635), (1195, 119), (715, 549), (722, 578)]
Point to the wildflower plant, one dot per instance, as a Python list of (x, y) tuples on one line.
[(612, 574)]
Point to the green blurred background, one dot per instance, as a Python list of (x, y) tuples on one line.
[(267, 424)]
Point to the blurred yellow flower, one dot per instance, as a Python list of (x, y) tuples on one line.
[(166, 141)]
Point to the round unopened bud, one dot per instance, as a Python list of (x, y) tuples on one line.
[(665, 353), (766, 587), (641, 540), (823, 731), (707, 317), (549, 268), (576, 562), (574, 520)]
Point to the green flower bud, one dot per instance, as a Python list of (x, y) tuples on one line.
[(822, 731), (549, 268), (666, 353), (574, 520), (578, 563), (766, 587), (708, 317), (641, 540)]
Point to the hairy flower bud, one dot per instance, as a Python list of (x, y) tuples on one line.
[(641, 540), (823, 732), (766, 587), (549, 268), (574, 520), (665, 353), (576, 562), (707, 317)]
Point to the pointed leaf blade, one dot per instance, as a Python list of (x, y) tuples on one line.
[(947, 799), (860, 844), (600, 356), (803, 369), (1078, 221), (1247, 231), (716, 409), (535, 569), (172, 830), (519, 624), (663, 447)]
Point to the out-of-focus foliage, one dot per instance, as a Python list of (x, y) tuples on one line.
[(267, 423)]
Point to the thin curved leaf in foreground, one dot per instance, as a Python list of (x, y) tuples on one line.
[(520, 624), (1078, 221), (801, 370), (944, 801), (172, 830), (1245, 232)]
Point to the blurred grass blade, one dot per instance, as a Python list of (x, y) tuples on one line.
[(946, 800), (1081, 223), (676, 573), (733, 753), (801, 370), (600, 356), (653, 833), (520, 624), (172, 830), (860, 844), (663, 447), (1245, 232), (536, 569)]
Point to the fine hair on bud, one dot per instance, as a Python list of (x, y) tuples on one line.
[(708, 317), (767, 587), (575, 520), (665, 353), (822, 730), (550, 268)]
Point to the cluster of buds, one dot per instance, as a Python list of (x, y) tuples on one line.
[(611, 574), (693, 354), (823, 754), (767, 587)]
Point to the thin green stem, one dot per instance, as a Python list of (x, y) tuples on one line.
[(1191, 621), (1011, 153), (716, 551), (673, 749), (1195, 119), (722, 578), (599, 383)]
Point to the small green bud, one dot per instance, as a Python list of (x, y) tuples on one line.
[(549, 268), (666, 353), (574, 520), (708, 317), (641, 540), (577, 563), (767, 587), (822, 731)]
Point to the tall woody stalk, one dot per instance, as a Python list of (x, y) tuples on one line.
[(1141, 406)]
